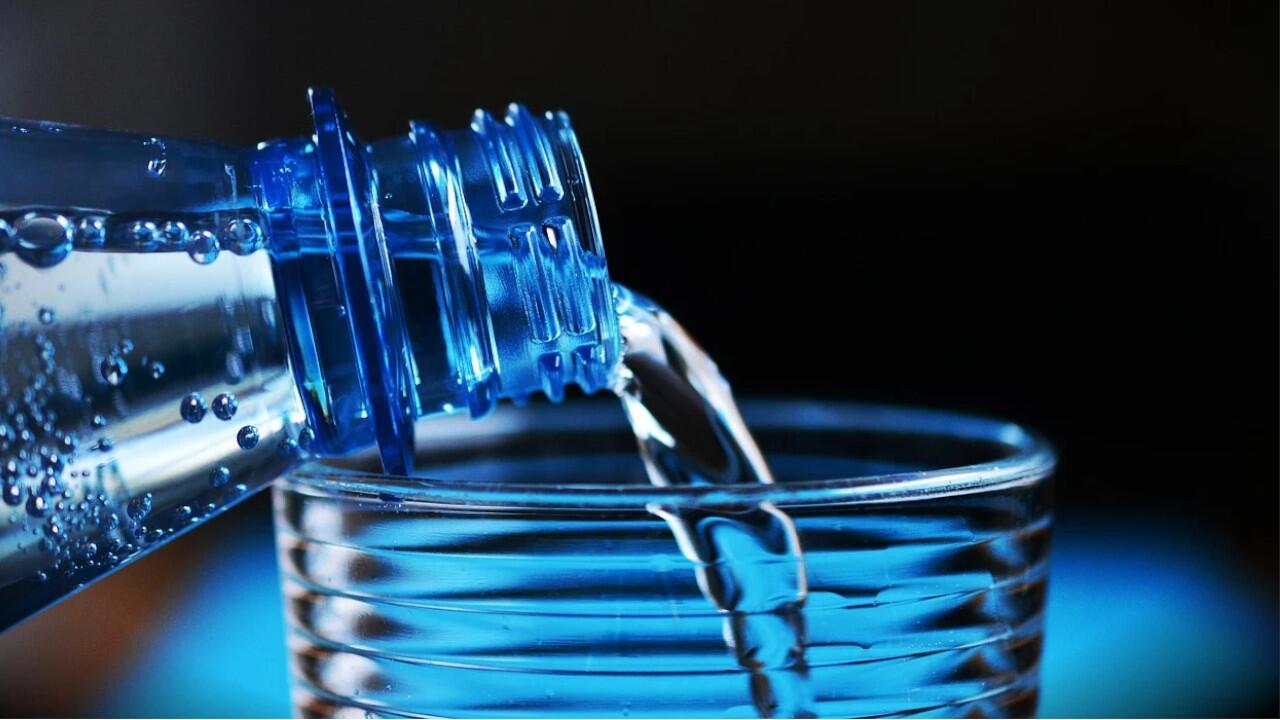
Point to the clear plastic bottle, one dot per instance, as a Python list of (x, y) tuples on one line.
[(183, 321)]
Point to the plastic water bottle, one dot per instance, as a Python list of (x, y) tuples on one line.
[(183, 321)]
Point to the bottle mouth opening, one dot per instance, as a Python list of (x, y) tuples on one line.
[(528, 212), (551, 458)]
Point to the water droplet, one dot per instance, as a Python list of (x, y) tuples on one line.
[(44, 239), (220, 476), (36, 505), (8, 237), (157, 370), (53, 528), (43, 231), (203, 247), (174, 233), (242, 236), (225, 406), (12, 493), (144, 235), (47, 316), (140, 506), (91, 232), (125, 347), (111, 522), (104, 444), (42, 575), (99, 422), (306, 438), (240, 489), (114, 369), (158, 161), (193, 408), (247, 437)]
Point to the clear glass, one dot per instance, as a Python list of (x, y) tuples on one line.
[(529, 575)]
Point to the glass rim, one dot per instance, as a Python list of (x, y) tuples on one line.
[(1029, 460)]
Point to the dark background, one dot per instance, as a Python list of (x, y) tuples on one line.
[(1061, 213)]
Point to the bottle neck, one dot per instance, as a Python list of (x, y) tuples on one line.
[(434, 271)]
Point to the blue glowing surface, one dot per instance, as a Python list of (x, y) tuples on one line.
[(223, 655), (1147, 621), (1154, 621)]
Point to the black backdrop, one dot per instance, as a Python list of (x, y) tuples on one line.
[(1063, 213)]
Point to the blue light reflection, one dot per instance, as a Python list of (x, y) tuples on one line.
[(1143, 620)]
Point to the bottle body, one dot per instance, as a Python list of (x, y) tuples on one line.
[(113, 442), (184, 321)]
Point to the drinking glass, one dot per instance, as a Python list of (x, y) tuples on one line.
[(528, 570)]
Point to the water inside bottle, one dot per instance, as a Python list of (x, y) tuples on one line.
[(144, 386)]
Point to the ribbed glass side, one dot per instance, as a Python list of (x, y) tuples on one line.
[(569, 603)]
